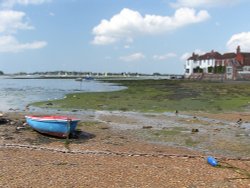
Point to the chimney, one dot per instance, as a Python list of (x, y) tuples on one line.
[(238, 50)]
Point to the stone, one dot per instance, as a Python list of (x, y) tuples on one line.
[(195, 130)]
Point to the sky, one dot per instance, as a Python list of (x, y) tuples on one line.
[(143, 36)]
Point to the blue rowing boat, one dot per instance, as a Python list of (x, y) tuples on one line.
[(59, 126)]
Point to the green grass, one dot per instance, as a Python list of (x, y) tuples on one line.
[(160, 96), (178, 135), (87, 123), (174, 131), (191, 142)]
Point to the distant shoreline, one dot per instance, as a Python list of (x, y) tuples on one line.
[(95, 77)]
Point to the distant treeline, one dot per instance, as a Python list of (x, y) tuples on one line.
[(77, 73)]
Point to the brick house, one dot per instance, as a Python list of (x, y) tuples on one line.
[(231, 65)]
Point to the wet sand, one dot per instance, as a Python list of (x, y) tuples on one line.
[(106, 154)]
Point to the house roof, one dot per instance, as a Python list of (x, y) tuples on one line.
[(194, 57), (225, 56), (245, 54), (228, 56), (210, 55)]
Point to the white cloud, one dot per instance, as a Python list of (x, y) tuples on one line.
[(202, 3), (242, 39), (10, 44), (103, 40), (164, 56), (129, 23), (11, 3), (11, 21), (133, 57)]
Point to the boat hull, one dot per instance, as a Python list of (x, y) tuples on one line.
[(59, 126)]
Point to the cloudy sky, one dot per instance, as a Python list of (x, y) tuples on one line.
[(144, 36)]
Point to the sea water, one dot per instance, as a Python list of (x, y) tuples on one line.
[(16, 94)]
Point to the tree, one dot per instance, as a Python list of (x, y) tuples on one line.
[(210, 69), (1, 73), (156, 74), (198, 70), (219, 69)]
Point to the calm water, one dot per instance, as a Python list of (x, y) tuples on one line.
[(15, 94)]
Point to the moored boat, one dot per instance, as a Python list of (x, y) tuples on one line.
[(89, 78), (59, 126), (78, 79)]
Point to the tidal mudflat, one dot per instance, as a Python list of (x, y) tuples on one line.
[(172, 112), (137, 145)]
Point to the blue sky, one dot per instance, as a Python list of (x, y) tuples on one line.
[(144, 36)]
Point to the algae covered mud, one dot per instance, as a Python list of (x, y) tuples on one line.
[(153, 98), (216, 137), (154, 110), (162, 96), (205, 134)]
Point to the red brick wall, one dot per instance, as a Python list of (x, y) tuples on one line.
[(240, 58)]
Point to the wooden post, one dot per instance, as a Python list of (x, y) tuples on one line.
[(68, 133)]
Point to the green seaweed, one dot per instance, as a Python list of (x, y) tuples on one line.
[(161, 96)]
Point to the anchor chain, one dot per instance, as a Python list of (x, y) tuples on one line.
[(112, 153)]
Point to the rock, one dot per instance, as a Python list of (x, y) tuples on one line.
[(19, 128), (147, 127), (12, 123), (27, 107), (176, 112), (104, 127), (239, 122), (3, 121), (195, 130)]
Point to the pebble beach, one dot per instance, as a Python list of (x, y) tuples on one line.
[(106, 157)]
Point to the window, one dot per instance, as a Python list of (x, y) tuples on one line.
[(229, 70)]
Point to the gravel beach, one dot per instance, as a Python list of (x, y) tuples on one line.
[(103, 156)]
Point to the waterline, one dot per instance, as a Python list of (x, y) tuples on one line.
[(16, 94)]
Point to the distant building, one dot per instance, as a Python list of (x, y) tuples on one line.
[(230, 65)]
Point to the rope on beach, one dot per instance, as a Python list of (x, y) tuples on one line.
[(111, 153)]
